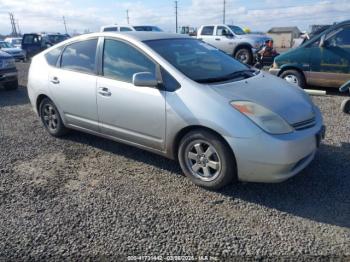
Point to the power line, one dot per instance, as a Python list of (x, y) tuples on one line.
[(127, 16), (176, 16), (65, 24), (13, 25)]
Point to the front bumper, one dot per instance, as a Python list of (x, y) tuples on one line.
[(274, 71), (275, 158), (8, 75)]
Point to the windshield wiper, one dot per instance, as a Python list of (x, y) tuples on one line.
[(247, 73)]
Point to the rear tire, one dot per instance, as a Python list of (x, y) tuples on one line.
[(244, 55), (294, 77), (51, 118), (13, 85), (345, 106), (207, 160)]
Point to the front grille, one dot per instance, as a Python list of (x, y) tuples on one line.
[(305, 124)]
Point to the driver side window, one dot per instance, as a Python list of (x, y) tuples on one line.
[(341, 39), (222, 31)]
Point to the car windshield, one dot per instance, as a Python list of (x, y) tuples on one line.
[(147, 28), (199, 61), (236, 30), (17, 41), (57, 38), (5, 45)]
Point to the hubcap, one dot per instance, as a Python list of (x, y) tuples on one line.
[(50, 117), (203, 160), (292, 79), (243, 56)]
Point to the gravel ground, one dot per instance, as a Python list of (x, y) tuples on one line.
[(86, 197)]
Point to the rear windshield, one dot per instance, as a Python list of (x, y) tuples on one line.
[(147, 28)]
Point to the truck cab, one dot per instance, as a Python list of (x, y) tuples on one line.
[(232, 40)]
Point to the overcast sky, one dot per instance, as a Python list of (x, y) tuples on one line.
[(258, 15)]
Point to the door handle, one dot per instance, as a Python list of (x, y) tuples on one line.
[(217, 39), (104, 91), (55, 80)]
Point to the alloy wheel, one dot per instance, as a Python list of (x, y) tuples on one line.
[(292, 79), (203, 160), (50, 117)]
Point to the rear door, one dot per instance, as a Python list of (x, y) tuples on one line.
[(127, 112), (330, 65), (73, 84), (207, 35)]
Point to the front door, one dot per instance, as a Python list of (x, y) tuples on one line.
[(73, 84), (127, 112), (330, 64), (224, 39)]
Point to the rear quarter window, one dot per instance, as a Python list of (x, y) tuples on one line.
[(52, 56)]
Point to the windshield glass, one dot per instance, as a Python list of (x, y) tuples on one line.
[(147, 28), (197, 60), (236, 30), (57, 38), (5, 45)]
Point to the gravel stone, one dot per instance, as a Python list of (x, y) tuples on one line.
[(84, 197)]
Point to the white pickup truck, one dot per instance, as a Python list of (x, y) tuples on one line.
[(232, 40)]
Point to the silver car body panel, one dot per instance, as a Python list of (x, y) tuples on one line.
[(152, 119)]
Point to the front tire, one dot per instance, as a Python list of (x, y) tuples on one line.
[(51, 118), (294, 77), (345, 106), (207, 160)]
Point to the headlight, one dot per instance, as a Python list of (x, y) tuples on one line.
[(8, 63), (263, 117)]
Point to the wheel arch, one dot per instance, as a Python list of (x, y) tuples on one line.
[(181, 133), (242, 45), (291, 67), (38, 101)]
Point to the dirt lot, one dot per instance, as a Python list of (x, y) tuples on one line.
[(86, 197)]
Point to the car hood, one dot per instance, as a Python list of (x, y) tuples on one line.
[(288, 101), (11, 50), (4, 55), (255, 37)]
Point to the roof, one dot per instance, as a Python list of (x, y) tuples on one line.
[(284, 29), (138, 35)]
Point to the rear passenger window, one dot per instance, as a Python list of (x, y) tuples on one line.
[(125, 29), (110, 29), (52, 56), (121, 61), (207, 30), (80, 56)]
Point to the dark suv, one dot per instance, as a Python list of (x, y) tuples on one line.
[(324, 60), (34, 43), (8, 71)]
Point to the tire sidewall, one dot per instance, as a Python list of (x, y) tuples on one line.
[(228, 163), (250, 56), (298, 75), (60, 130), (345, 106)]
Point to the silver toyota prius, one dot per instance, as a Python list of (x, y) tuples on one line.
[(181, 98)]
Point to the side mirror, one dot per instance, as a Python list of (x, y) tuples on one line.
[(323, 41), (345, 87), (144, 79)]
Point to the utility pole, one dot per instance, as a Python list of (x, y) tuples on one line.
[(224, 13), (13, 25), (18, 29), (176, 16), (65, 24), (127, 16)]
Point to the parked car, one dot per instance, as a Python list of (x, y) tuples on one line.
[(179, 97), (8, 71), (233, 40), (323, 60), (14, 41), (17, 53), (127, 28), (34, 43)]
